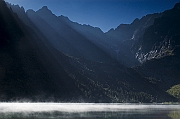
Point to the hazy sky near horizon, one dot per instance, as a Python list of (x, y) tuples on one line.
[(105, 14)]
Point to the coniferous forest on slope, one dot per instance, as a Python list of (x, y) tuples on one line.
[(44, 57)]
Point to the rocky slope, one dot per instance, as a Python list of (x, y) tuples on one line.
[(161, 38), (159, 50), (126, 35)]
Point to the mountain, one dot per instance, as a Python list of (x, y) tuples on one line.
[(117, 43), (60, 28), (28, 70), (161, 38), (94, 35), (134, 30), (64, 38), (159, 50), (127, 35), (54, 59)]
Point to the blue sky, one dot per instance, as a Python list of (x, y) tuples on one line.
[(105, 14)]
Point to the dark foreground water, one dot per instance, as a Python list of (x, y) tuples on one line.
[(87, 111)]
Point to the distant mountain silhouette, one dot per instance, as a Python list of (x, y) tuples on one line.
[(49, 58)]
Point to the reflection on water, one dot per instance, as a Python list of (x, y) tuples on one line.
[(174, 114), (87, 111)]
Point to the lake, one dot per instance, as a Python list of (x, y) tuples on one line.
[(88, 111)]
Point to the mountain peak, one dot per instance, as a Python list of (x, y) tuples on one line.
[(45, 10), (30, 11), (135, 21), (177, 6), (65, 18)]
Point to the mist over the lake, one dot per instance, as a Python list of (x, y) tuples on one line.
[(78, 107), (86, 110)]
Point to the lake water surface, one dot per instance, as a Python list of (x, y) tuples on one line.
[(87, 111)]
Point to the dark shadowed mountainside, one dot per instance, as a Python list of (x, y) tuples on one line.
[(159, 49), (161, 38), (27, 68)]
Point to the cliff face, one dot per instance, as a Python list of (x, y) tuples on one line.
[(162, 37), (127, 35), (159, 50)]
